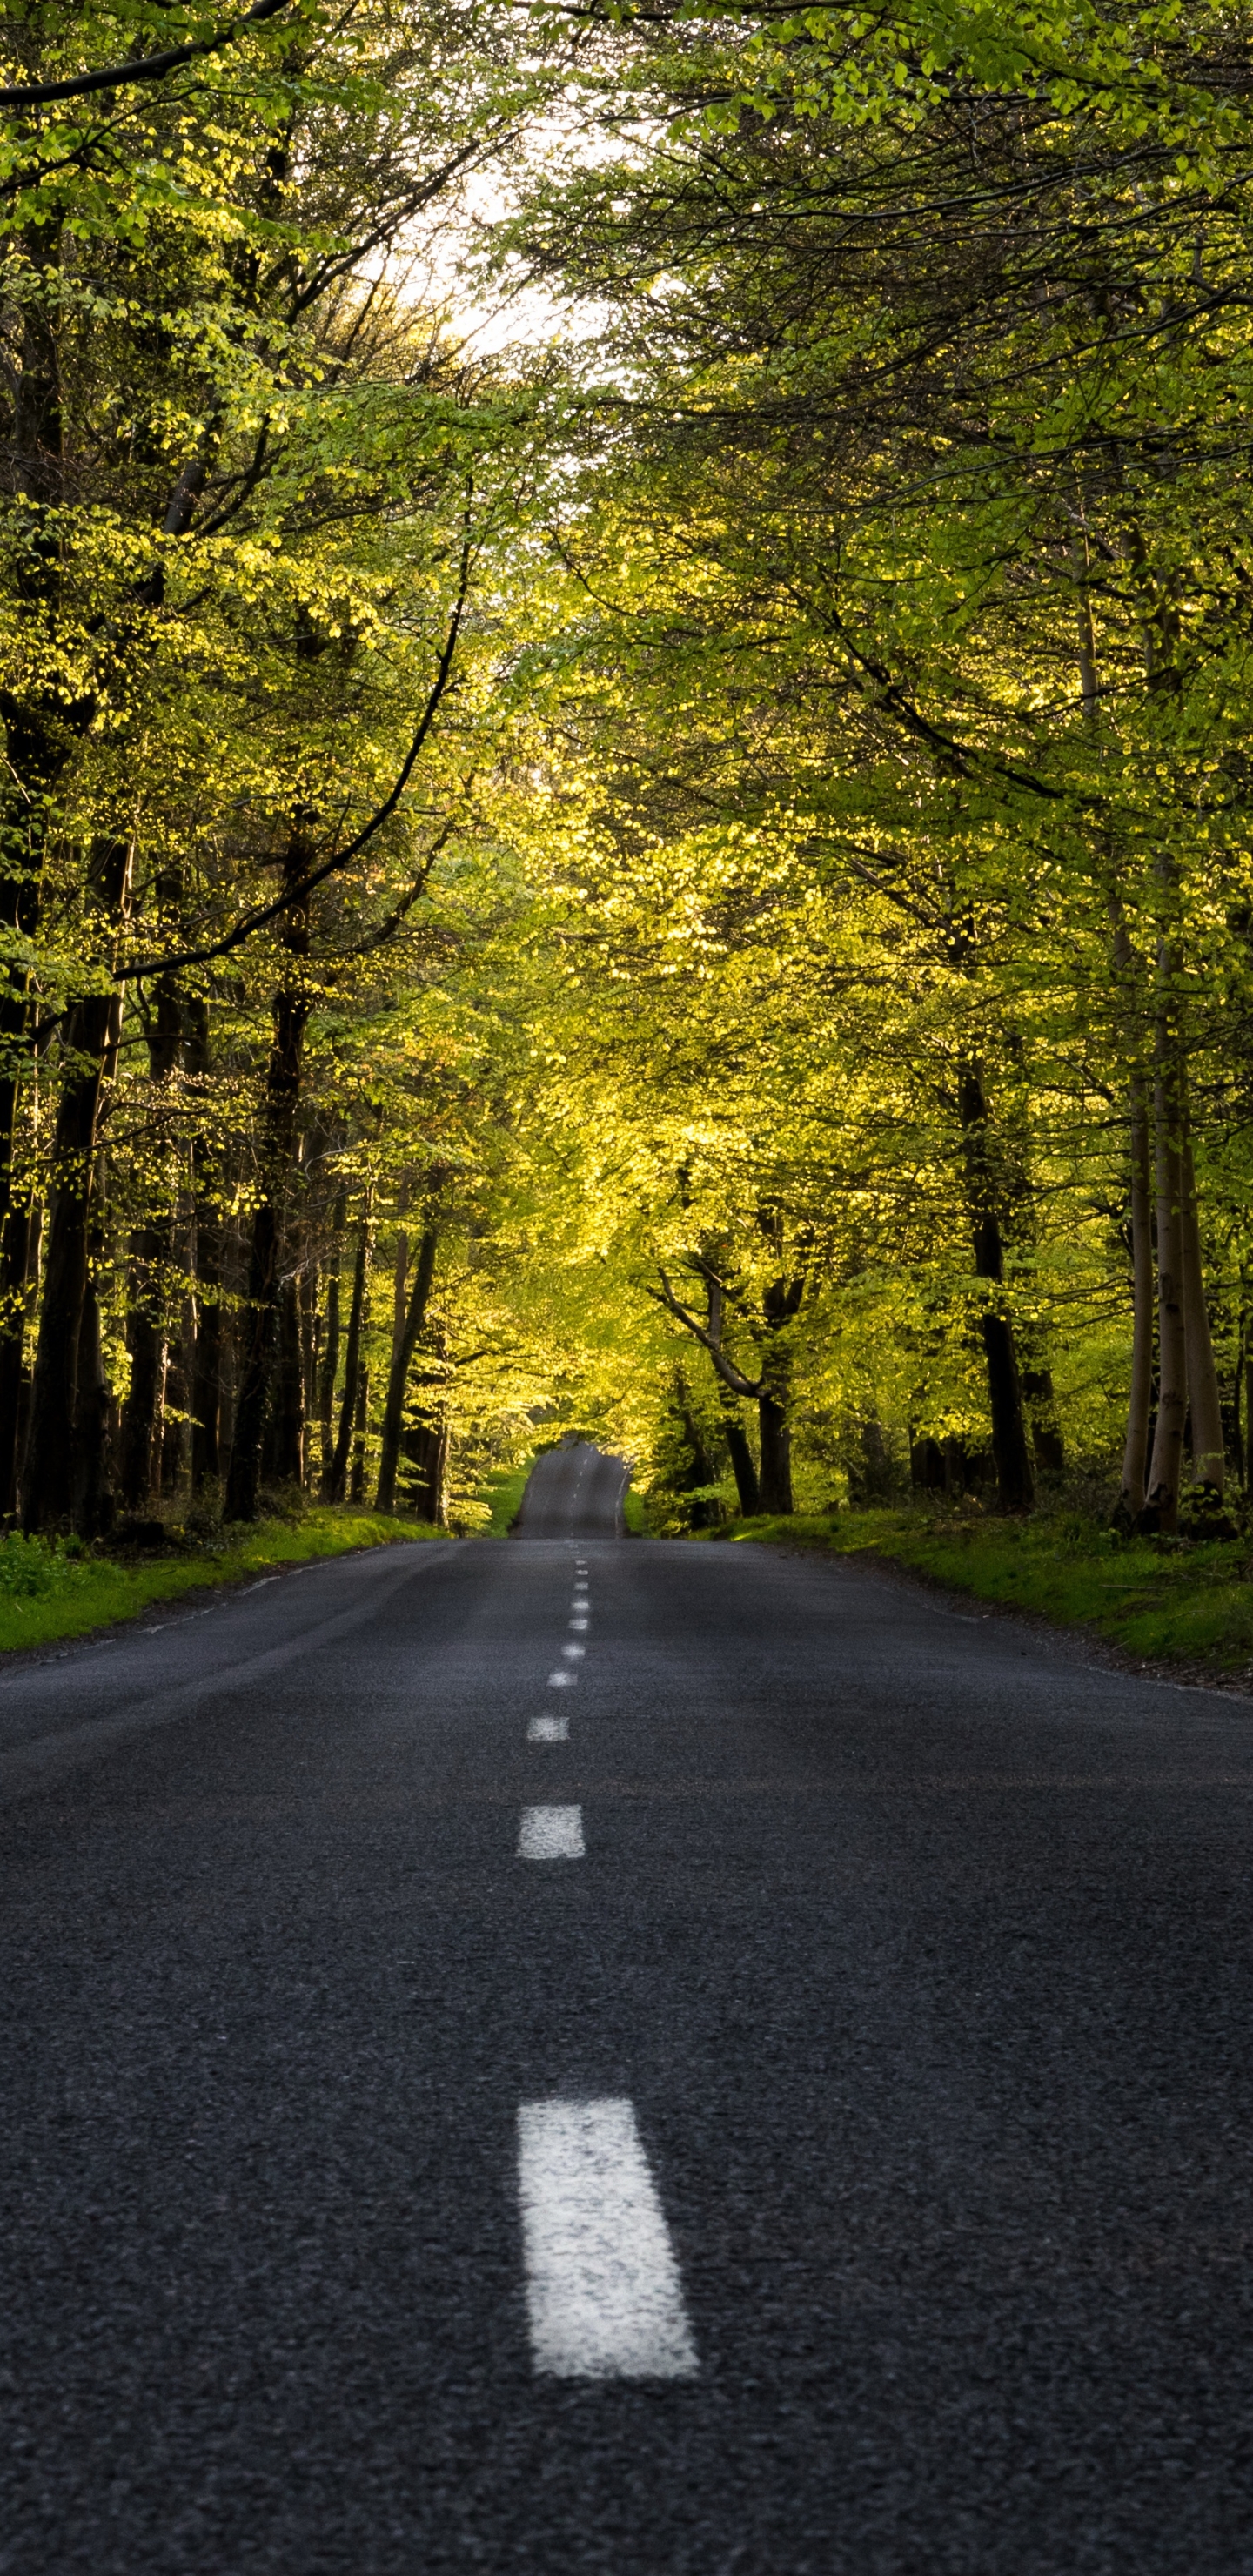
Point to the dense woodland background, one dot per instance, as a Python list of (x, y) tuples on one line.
[(678, 866)]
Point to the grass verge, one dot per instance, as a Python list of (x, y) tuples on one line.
[(1183, 1602), (47, 1594)]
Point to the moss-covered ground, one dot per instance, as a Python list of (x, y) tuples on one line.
[(49, 1592), (1186, 1602)]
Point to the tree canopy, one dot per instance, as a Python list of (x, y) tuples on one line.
[(683, 873)]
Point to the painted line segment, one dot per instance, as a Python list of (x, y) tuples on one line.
[(551, 1833), (604, 2296)]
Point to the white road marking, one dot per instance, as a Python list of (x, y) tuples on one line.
[(548, 1730), (551, 1833), (561, 1681), (573, 1653), (604, 2296), (579, 1626)]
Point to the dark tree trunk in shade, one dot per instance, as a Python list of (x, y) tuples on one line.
[(48, 1474), (148, 1292), (748, 1490), (15, 1243), (1014, 1481), (356, 1489), (289, 1391), (205, 1391), (426, 1452), (1162, 1500), (308, 1300), (329, 1357), (776, 1455), (410, 1326), (174, 1403), (352, 1360), (94, 1495), (257, 1336), (1140, 1398)]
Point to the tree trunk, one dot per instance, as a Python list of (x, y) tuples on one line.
[(148, 1288), (289, 1393), (426, 1448), (1163, 1494), (356, 1489), (412, 1320), (776, 1455), (206, 1354), (330, 1351), (352, 1359), (308, 1300), (93, 1496), (1135, 1453), (48, 1477), (282, 1094), (1014, 1481), (1205, 1413), (173, 1410)]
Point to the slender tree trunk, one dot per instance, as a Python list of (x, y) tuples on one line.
[(149, 1288), (1164, 1469), (412, 1320), (206, 1350), (352, 1359), (289, 1392), (1205, 1412), (356, 1489), (14, 1307), (330, 1348), (1015, 1484), (283, 1074), (1135, 1453), (48, 1477), (93, 1495), (308, 1300)]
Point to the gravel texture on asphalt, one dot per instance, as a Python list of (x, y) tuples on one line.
[(922, 1953)]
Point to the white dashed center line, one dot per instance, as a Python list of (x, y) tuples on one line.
[(561, 1681), (573, 1654), (603, 2291), (551, 1833), (548, 1730), (579, 1625)]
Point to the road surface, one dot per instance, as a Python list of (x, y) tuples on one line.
[(767, 2092), (573, 1489)]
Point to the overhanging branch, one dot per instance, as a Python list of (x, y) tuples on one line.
[(149, 67)]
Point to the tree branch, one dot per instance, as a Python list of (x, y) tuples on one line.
[(133, 968), (150, 67), (727, 1370)]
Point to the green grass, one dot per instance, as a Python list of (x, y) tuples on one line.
[(503, 1494), (47, 1593), (1159, 1600), (634, 1514)]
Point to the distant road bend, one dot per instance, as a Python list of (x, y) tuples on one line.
[(573, 1492), (621, 2057)]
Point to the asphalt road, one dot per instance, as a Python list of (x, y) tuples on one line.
[(578, 1488), (897, 2014)]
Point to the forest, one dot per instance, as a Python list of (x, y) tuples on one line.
[(625, 657)]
